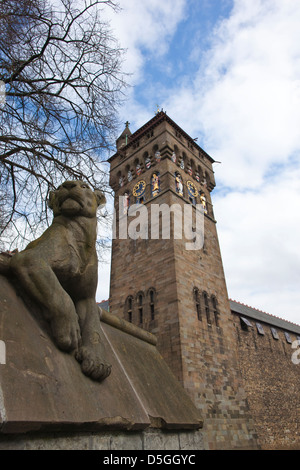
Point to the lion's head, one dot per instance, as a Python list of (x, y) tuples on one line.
[(75, 198)]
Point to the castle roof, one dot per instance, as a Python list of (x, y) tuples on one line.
[(151, 124), (249, 312), (260, 316)]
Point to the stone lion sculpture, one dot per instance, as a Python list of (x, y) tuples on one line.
[(59, 271)]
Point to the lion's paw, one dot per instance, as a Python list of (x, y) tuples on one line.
[(66, 332), (91, 364)]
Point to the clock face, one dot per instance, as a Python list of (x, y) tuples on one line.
[(192, 189), (139, 189)]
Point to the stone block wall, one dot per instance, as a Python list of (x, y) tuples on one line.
[(271, 381), (151, 439)]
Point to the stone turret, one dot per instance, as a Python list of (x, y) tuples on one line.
[(123, 139)]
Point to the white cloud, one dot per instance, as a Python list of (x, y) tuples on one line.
[(259, 237), (244, 104), (246, 96), (145, 27)]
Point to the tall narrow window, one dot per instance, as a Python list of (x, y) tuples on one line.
[(197, 303), (140, 308), (215, 310), (152, 307), (206, 307), (129, 309)]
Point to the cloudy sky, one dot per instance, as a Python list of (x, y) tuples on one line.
[(228, 72)]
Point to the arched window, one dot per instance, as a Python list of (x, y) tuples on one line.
[(129, 174), (138, 167), (197, 303), (140, 300), (120, 179), (175, 154), (190, 167), (215, 309), (154, 148), (206, 180), (129, 308), (206, 307), (156, 152), (152, 303), (198, 173), (183, 161), (147, 160)]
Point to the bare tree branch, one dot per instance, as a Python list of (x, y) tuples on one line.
[(62, 70)]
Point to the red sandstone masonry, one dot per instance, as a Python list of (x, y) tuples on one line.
[(201, 355)]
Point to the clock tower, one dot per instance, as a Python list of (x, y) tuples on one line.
[(167, 273)]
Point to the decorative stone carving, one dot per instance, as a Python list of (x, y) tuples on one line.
[(59, 272)]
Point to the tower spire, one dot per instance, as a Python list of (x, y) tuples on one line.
[(123, 139)]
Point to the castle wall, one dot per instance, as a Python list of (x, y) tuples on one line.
[(271, 380)]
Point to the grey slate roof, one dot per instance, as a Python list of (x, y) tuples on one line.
[(104, 304), (258, 315), (248, 312)]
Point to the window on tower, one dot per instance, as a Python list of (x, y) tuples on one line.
[(129, 174), (129, 303), (206, 180), (147, 161), (197, 303), (150, 134), (152, 303), (140, 308), (183, 161), (120, 179), (198, 172), (215, 309), (175, 154), (206, 307)]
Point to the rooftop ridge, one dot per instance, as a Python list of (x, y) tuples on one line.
[(266, 313), (154, 121)]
